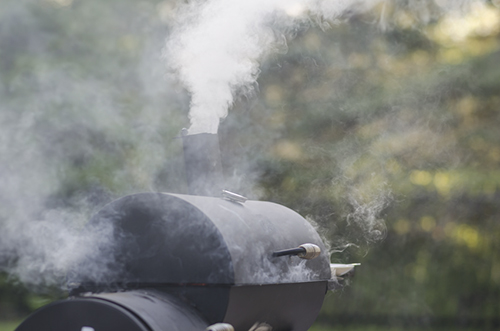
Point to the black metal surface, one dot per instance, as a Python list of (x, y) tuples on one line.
[(203, 164), (284, 307), (159, 311), (75, 315), (180, 239), (254, 230), (291, 251), (213, 255), (129, 311), (162, 239), (210, 301)]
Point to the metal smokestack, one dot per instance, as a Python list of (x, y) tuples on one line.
[(203, 163)]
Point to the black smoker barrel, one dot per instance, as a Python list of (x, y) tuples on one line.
[(185, 262), (138, 310), (212, 255)]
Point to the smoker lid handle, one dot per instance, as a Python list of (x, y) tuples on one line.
[(312, 251), (304, 251)]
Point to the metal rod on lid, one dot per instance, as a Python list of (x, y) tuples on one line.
[(203, 163), (304, 251), (291, 251)]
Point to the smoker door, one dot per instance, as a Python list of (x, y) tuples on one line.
[(283, 307)]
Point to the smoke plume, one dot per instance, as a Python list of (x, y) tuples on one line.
[(83, 92), (216, 46), (64, 120)]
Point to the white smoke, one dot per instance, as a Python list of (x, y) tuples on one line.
[(57, 123), (47, 248), (215, 48), (216, 45)]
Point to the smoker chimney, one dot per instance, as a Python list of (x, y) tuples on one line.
[(203, 164)]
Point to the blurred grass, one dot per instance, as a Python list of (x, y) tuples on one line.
[(380, 328), (11, 325)]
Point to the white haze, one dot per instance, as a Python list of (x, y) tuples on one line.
[(217, 45), (215, 49), (71, 120)]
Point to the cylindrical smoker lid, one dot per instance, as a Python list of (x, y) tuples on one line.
[(173, 239), (253, 230), (140, 310), (82, 315)]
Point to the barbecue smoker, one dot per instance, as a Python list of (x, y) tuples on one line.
[(204, 261)]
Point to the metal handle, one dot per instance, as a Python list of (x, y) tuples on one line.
[(304, 251), (231, 196), (261, 327), (220, 327)]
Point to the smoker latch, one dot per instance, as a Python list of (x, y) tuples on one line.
[(233, 197), (220, 327), (261, 327)]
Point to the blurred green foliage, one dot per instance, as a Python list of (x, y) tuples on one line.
[(362, 121), (8, 326)]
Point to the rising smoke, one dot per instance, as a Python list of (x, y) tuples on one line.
[(216, 46), (215, 49), (64, 120)]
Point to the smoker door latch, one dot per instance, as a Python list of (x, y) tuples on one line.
[(233, 197), (220, 327), (261, 327), (304, 251)]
